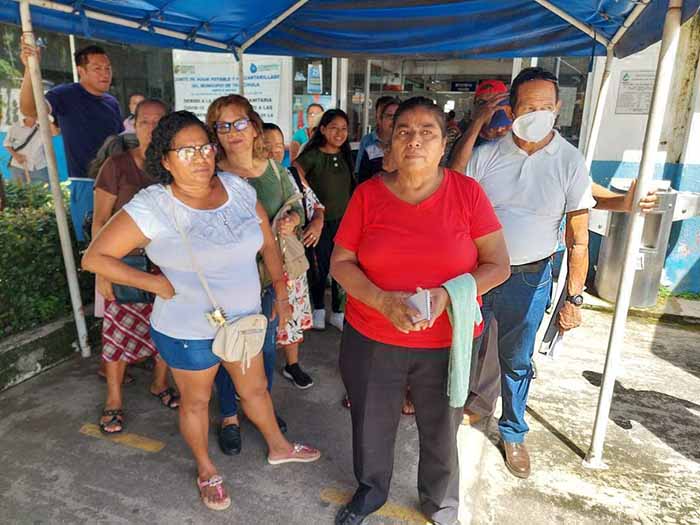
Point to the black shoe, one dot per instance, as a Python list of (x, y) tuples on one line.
[(346, 516), (230, 440), (281, 423), (297, 376)]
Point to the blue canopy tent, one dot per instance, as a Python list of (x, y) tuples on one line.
[(457, 28), (439, 29)]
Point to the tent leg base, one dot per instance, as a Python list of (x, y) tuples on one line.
[(593, 463)]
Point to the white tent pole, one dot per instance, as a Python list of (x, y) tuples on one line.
[(61, 218), (599, 109), (110, 19), (241, 71), (365, 108), (517, 67), (274, 23), (71, 43), (549, 6), (662, 86)]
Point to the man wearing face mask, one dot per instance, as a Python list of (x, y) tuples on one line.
[(534, 179)]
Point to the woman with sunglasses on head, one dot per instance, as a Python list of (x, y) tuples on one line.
[(194, 217), (326, 163), (242, 152)]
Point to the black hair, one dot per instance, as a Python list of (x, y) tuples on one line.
[(383, 102), (451, 114), (269, 126), (317, 140), (528, 74), (82, 56), (314, 105), (149, 102), (422, 103), (113, 145), (162, 139)]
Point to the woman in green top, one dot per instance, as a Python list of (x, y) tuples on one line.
[(242, 152), (326, 163)]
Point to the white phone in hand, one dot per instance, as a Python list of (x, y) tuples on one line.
[(421, 302)]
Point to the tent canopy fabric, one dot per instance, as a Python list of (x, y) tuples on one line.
[(436, 28)]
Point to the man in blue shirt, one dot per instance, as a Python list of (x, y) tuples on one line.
[(372, 139), (370, 160), (86, 113)]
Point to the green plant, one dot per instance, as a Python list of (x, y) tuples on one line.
[(33, 287)]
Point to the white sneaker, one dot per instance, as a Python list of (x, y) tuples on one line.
[(337, 320), (319, 320)]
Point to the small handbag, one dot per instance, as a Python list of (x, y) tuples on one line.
[(238, 339), (128, 294), (293, 251)]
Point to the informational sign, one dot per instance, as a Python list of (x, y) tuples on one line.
[(634, 92), (314, 79), (567, 95), (463, 86), (200, 78)]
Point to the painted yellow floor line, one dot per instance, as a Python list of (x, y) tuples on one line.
[(124, 438), (389, 510)]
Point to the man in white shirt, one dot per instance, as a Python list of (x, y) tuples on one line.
[(28, 162), (534, 179)]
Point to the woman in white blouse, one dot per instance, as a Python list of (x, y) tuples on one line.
[(226, 228)]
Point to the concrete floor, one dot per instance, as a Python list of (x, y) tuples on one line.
[(54, 473)]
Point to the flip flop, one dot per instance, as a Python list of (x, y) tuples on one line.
[(217, 482), (299, 454)]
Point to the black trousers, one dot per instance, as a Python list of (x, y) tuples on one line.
[(318, 277), (375, 376)]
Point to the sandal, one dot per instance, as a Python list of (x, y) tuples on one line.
[(116, 416), (216, 482), (172, 402), (299, 454)]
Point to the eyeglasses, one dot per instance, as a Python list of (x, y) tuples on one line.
[(187, 153), (225, 127)]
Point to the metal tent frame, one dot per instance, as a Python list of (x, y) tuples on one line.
[(669, 46)]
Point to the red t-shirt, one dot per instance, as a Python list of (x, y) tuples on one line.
[(401, 246)]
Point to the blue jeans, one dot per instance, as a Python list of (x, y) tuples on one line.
[(225, 388), (518, 306), (81, 204)]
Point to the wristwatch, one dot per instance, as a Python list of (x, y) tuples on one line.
[(576, 300)]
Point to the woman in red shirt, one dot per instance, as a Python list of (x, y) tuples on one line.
[(419, 226)]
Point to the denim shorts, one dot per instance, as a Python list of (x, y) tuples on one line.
[(185, 354)]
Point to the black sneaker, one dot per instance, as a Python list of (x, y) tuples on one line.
[(297, 376), (346, 516), (230, 440)]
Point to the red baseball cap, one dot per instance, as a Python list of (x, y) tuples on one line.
[(486, 87)]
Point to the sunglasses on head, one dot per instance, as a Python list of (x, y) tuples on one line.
[(187, 153), (226, 127)]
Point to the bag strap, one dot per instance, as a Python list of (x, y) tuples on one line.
[(28, 139), (188, 247)]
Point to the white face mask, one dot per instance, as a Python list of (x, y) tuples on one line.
[(535, 126)]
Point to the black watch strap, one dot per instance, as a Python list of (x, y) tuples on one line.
[(576, 300)]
